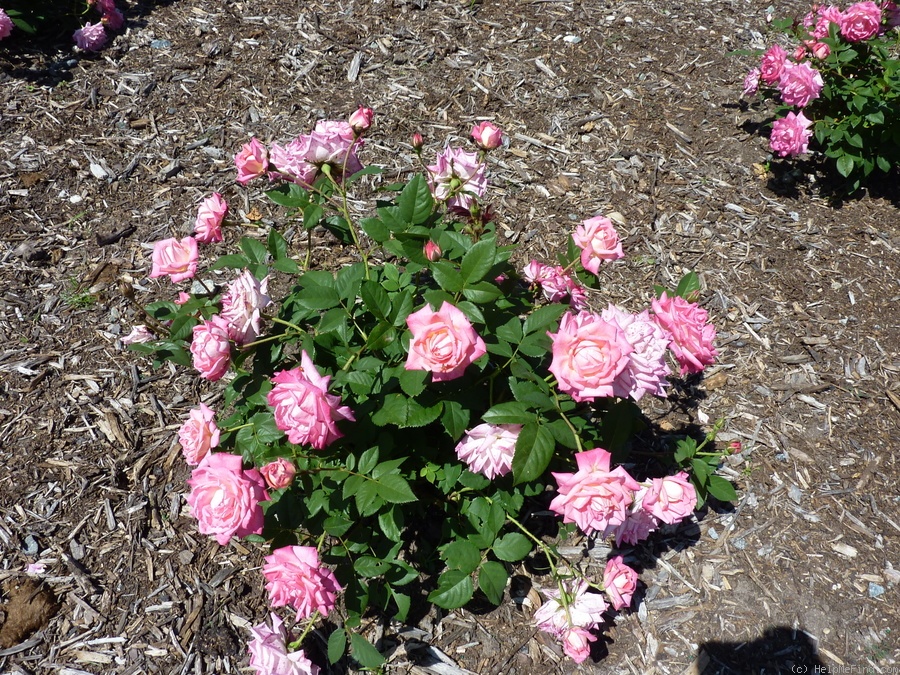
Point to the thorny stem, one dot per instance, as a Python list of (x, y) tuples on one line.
[(240, 426), (312, 621), (566, 420)]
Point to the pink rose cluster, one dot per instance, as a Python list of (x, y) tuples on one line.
[(612, 503), (488, 449), (443, 342), (614, 353), (556, 284), (297, 579), (571, 619), (225, 499), (457, 178), (92, 37), (330, 148), (269, 654), (691, 335), (304, 409), (6, 25)]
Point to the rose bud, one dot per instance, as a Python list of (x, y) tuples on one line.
[(487, 135), (417, 141), (361, 120), (432, 251)]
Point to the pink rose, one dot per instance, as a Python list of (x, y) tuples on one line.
[(772, 64), (242, 303), (279, 474), (211, 349), (671, 499), (457, 178), (252, 161), (225, 499), (790, 135), (113, 19), (303, 407), (861, 21), (594, 498), (619, 582), (692, 334), (6, 25), (751, 83), (269, 654), (443, 342), (598, 241), (208, 227), (487, 135), (361, 120), (198, 435), (647, 369), (431, 251), (819, 50), (296, 578), (488, 449), (638, 525), (799, 84), (90, 37), (176, 258), (571, 623), (335, 143), (291, 161), (139, 333), (182, 298), (588, 355)]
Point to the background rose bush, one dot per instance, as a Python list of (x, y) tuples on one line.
[(430, 400)]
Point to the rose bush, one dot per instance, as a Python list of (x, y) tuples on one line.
[(839, 89), (45, 16), (423, 397)]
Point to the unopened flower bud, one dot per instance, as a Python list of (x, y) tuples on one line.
[(417, 141), (735, 447), (432, 251), (487, 135), (361, 119)]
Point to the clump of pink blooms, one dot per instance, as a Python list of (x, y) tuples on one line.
[(488, 449), (297, 579), (329, 149), (92, 37), (794, 78), (609, 503), (269, 654), (6, 25)]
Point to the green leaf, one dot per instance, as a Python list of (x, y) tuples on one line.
[(492, 579), (286, 265), (364, 652), (277, 245), (290, 195), (454, 590), (447, 277), (511, 412), (684, 449), (461, 555), (314, 296), (534, 449), (337, 525), (876, 117), (406, 412), (415, 202), (412, 382), (403, 602), (455, 418), (482, 292), (845, 165), (389, 525), (722, 489), (337, 644), (478, 261), (369, 567), (376, 229), (376, 299), (348, 279), (701, 470), (312, 214), (254, 250), (688, 286), (512, 546), (883, 164), (231, 261), (368, 460), (394, 489), (543, 317), (511, 331), (371, 170)]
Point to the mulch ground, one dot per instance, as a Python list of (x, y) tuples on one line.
[(626, 109)]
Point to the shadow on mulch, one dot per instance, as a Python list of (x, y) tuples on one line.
[(780, 649), (46, 57)]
